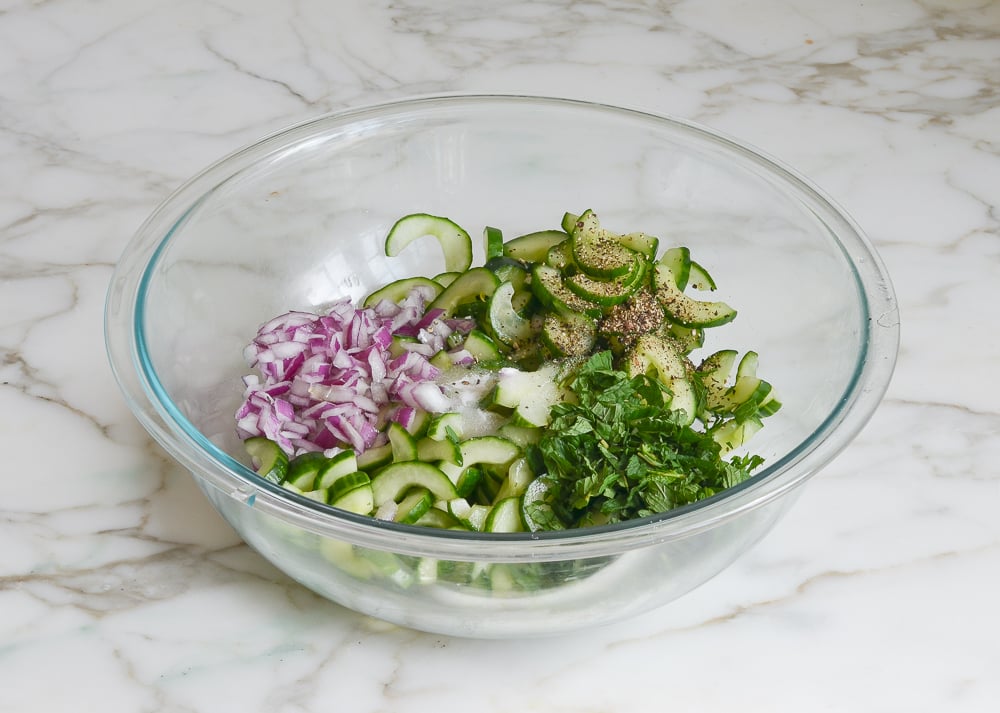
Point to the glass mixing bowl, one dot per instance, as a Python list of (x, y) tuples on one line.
[(298, 220)]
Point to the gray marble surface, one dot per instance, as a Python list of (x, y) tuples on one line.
[(122, 590)]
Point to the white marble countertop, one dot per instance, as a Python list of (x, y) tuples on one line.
[(121, 590)]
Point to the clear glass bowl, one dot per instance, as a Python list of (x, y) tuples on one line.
[(298, 219)]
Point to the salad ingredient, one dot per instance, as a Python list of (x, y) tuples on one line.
[(620, 453), (553, 387), (455, 242), (328, 380)]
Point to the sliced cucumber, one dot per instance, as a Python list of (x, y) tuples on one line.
[(560, 256), (438, 428), (492, 242), (646, 245), (345, 484), (374, 458), (483, 349), (413, 506), (395, 479), (662, 359), (714, 372), (488, 449), (446, 278), (335, 468), (270, 462), (509, 270), (303, 470), (569, 221), (534, 246), (530, 393), (597, 251), (455, 242), (683, 309), (678, 262), (505, 516), (404, 445), (690, 338), (398, 291), (522, 436), (732, 434), (569, 334), (472, 285), (607, 293), (519, 476), (547, 284), (508, 326), (699, 279), (468, 480), (429, 449), (437, 518), (360, 501)]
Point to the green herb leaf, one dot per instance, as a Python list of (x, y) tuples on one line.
[(618, 452)]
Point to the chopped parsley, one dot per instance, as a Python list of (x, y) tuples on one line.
[(619, 452)]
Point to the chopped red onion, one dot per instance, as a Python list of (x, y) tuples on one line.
[(329, 381)]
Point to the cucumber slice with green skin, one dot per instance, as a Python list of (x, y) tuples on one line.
[(530, 393), (505, 516), (404, 445), (699, 279), (303, 470), (684, 310), (732, 434), (522, 436), (437, 518), (374, 458), (345, 484), (569, 221), (455, 242), (395, 479), (568, 335), (360, 501), (714, 372), (492, 242), (475, 285), (599, 252), (560, 256), (749, 396), (509, 270), (413, 506), (547, 284), (459, 508), (429, 449), (492, 450), (483, 349), (690, 338), (398, 291), (438, 428), (340, 465), (608, 293), (446, 278), (645, 245), (661, 358), (534, 246), (270, 462), (678, 262), (519, 476), (508, 326), (468, 480)]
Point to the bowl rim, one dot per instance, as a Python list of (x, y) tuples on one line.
[(152, 407)]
